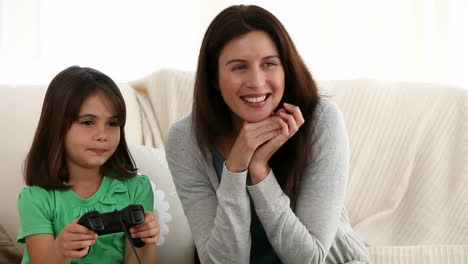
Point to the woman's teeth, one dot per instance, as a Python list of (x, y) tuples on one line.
[(255, 99)]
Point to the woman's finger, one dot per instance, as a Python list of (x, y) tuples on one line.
[(280, 110), (296, 112), (276, 142), (269, 135), (269, 124), (284, 131), (291, 123), (256, 137)]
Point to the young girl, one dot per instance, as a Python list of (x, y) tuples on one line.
[(260, 164), (79, 162)]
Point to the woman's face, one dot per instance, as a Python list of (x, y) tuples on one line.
[(251, 77)]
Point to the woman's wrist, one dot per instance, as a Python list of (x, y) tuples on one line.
[(258, 172), (238, 161), (233, 167)]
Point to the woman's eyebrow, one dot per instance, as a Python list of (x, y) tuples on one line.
[(241, 60), (234, 60), (270, 57)]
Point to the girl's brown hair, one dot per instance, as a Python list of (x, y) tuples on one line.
[(45, 164), (212, 117)]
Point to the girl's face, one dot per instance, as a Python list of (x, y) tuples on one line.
[(251, 77), (94, 137)]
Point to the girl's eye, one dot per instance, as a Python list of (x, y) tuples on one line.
[(87, 123), (114, 124)]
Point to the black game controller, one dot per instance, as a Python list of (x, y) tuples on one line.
[(116, 221)]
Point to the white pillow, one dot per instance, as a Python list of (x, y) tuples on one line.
[(175, 244)]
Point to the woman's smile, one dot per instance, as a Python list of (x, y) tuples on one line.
[(256, 100)]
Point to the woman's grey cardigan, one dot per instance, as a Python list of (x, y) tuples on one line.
[(317, 231)]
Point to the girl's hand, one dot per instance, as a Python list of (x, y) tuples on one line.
[(250, 137), (73, 237), (291, 120), (148, 231)]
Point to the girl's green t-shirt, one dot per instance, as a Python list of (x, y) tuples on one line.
[(48, 212)]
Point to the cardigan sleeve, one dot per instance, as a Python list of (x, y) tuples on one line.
[(306, 234)]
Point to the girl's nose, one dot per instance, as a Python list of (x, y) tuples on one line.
[(101, 134)]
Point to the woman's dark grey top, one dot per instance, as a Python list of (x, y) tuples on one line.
[(219, 211)]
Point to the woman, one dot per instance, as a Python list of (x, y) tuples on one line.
[(261, 163)]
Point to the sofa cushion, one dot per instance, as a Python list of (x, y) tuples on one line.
[(175, 244), (9, 253)]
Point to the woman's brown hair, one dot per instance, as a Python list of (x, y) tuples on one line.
[(212, 117), (45, 164)]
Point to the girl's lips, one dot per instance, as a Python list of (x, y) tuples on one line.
[(98, 151)]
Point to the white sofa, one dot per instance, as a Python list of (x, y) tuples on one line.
[(408, 180)]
